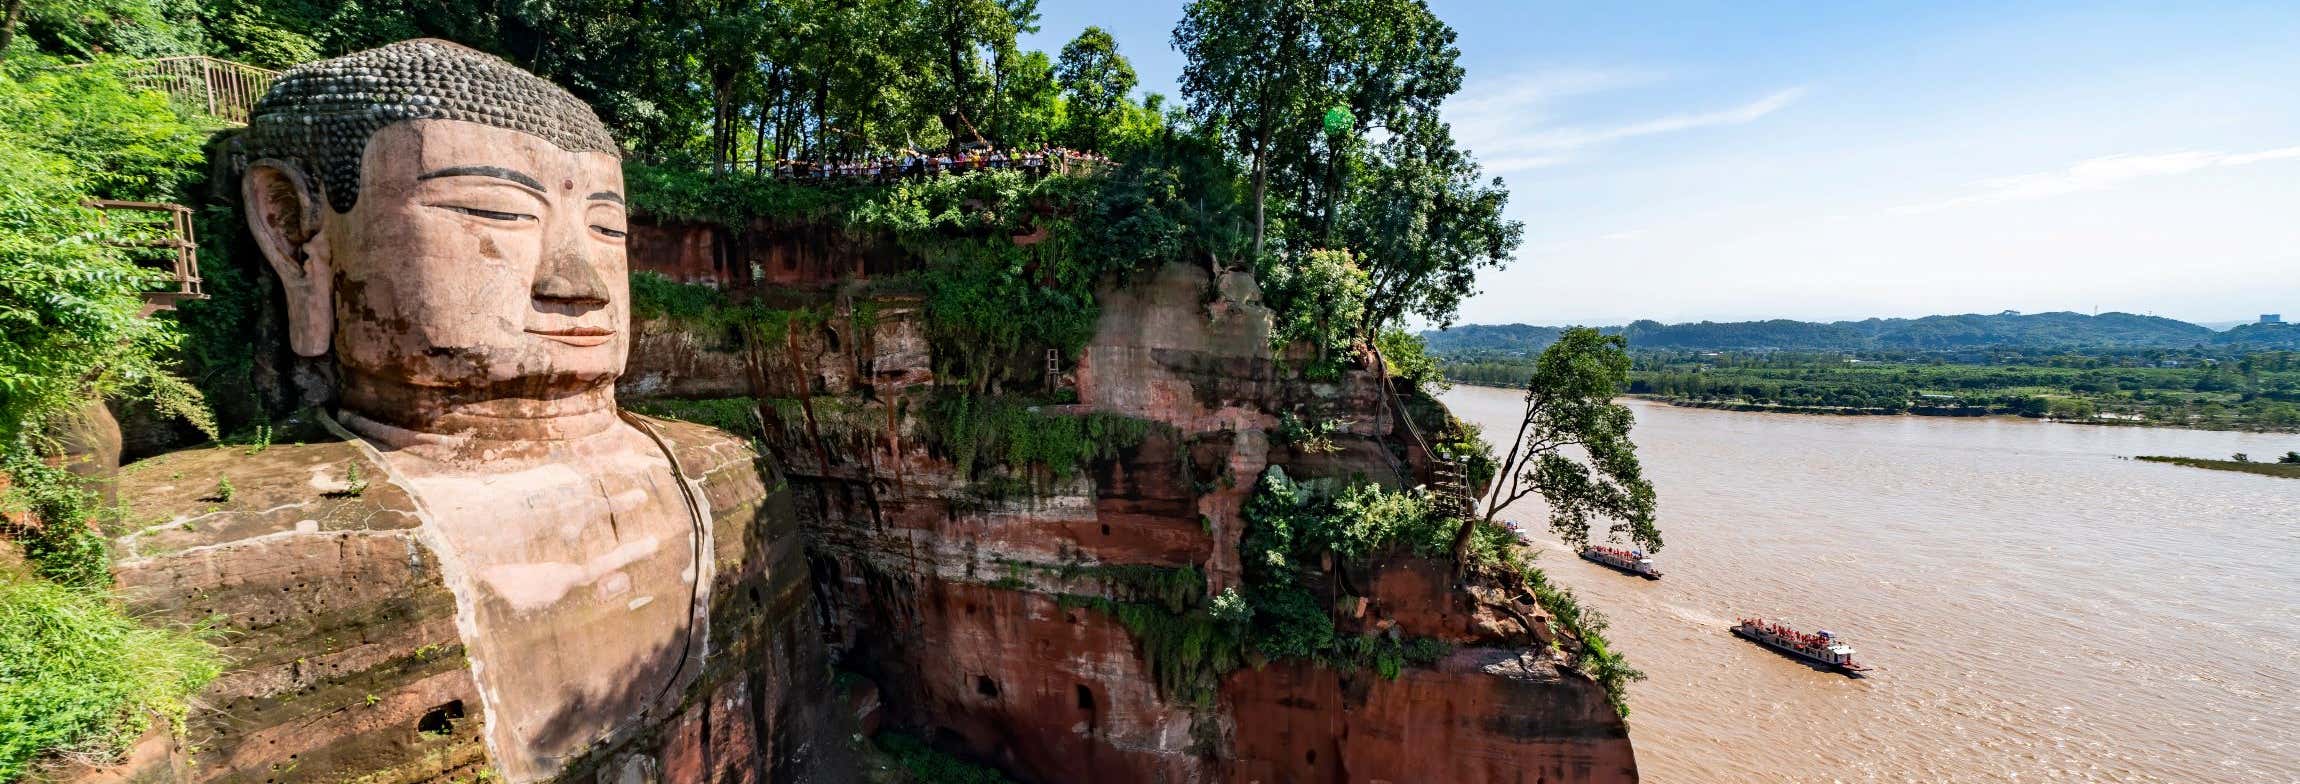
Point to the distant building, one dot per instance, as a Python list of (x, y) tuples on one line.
[(2271, 318)]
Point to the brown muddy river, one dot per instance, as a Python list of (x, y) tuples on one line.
[(2036, 609)]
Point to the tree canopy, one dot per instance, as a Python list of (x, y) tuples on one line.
[(1332, 108)]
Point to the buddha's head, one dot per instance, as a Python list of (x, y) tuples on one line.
[(444, 223)]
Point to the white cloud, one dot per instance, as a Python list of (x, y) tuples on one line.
[(2097, 174), (1507, 120), (1577, 138)]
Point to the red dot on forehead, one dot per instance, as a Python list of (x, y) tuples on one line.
[(566, 185)]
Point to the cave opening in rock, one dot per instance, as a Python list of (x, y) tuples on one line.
[(440, 720), (984, 686)]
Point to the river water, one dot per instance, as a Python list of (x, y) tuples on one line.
[(2037, 609)]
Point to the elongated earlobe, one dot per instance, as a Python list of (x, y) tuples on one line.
[(285, 214)]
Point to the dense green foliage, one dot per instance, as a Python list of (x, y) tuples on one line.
[(991, 299), (64, 548), (980, 434), (1293, 527), (1409, 358), (70, 301), (1569, 404), (77, 676), (1320, 303)]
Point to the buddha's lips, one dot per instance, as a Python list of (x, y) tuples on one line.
[(576, 336)]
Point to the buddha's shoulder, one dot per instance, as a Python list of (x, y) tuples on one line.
[(729, 466), (227, 495)]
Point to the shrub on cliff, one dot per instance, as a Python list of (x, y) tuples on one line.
[(80, 679), (1318, 303)]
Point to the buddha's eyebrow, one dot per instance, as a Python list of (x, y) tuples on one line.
[(608, 196), (496, 172)]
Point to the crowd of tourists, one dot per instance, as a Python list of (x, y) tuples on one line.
[(912, 163)]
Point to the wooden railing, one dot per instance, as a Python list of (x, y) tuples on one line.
[(221, 89), (160, 236)]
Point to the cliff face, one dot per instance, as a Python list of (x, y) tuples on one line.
[(974, 611)]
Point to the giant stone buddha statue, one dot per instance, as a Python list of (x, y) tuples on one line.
[(450, 230)]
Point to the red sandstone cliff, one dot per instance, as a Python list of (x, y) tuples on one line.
[(949, 602)]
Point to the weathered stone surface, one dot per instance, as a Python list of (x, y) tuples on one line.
[(1048, 693), (947, 601), (1482, 714), (684, 252), (346, 658), (669, 361), (342, 637)]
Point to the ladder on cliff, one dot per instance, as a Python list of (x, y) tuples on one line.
[(1449, 484), (1448, 479)]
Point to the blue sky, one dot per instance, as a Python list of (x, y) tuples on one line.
[(1821, 161)]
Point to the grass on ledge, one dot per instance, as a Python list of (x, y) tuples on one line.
[(2287, 470), (79, 679)]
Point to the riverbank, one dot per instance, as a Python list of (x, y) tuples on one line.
[(2287, 470)]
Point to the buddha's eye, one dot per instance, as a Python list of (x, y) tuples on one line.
[(615, 233), (488, 214)]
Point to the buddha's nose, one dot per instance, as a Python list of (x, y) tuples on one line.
[(566, 277)]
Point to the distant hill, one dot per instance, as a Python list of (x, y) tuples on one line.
[(2008, 329), (2266, 336)]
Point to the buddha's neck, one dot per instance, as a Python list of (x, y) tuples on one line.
[(452, 424)]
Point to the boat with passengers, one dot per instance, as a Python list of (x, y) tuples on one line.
[(1820, 647), (1632, 561)]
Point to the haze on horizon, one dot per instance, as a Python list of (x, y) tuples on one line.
[(1688, 162)]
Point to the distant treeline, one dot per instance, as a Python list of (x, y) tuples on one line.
[(2034, 331), (2254, 391)]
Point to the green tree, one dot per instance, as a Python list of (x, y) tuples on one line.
[(85, 29), (972, 42), (1569, 404), (1427, 225), (1095, 80), (1249, 78)]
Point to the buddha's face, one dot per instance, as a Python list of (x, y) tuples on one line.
[(475, 258)]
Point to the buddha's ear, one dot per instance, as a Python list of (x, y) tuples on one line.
[(284, 214)]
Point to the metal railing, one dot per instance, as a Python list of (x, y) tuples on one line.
[(221, 89), (891, 170)]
